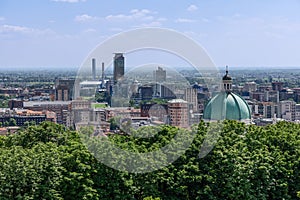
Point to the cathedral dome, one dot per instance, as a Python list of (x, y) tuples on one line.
[(227, 105)]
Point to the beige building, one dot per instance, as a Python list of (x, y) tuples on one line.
[(190, 95), (287, 110), (250, 87), (59, 107), (297, 112)]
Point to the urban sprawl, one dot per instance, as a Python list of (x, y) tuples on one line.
[(112, 101)]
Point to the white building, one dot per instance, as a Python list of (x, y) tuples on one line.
[(190, 95), (287, 110), (297, 112)]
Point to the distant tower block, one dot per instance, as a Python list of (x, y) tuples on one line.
[(102, 72), (94, 68), (160, 75), (119, 67)]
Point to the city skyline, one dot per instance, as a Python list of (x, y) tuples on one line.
[(61, 33)]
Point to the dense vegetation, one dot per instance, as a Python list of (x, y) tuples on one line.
[(4, 101), (48, 161)]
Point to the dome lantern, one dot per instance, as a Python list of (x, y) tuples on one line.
[(227, 81)]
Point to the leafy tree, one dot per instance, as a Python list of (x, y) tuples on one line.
[(51, 163), (48, 161), (6, 123), (30, 173), (12, 122), (114, 123)]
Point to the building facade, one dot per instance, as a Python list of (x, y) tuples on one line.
[(287, 110), (64, 89), (160, 75), (191, 96), (119, 66), (61, 108), (178, 113)]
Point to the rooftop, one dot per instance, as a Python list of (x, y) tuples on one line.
[(177, 101)]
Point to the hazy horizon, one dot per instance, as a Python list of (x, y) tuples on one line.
[(70, 68), (62, 33)]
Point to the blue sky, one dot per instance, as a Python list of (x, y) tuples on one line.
[(61, 33)]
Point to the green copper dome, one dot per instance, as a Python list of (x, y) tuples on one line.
[(227, 105)]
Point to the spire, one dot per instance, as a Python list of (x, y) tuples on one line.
[(226, 69)]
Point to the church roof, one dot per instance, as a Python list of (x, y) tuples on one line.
[(227, 105)]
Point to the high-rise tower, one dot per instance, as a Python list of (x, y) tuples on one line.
[(118, 66), (94, 68), (102, 77), (160, 75)]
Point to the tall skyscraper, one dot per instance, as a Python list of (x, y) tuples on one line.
[(94, 68), (102, 76), (118, 66), (160, 75)]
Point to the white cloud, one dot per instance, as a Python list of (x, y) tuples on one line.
[(2, 19), (184, 20), (85, 18), (135, 14), (145, 18), (13, 29), (152, 24), (69, 1), (192, 8), (117, 17)]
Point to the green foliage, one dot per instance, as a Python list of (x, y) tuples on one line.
[(114, 123), (48, 161), (4, 101), (155, 101), (12, 122), (151, 198), (99, 105), (30, 173), (102, 97)]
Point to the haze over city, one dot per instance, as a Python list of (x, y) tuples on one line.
[(61, 33)]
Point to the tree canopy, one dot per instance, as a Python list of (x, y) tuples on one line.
[(49, 161)]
